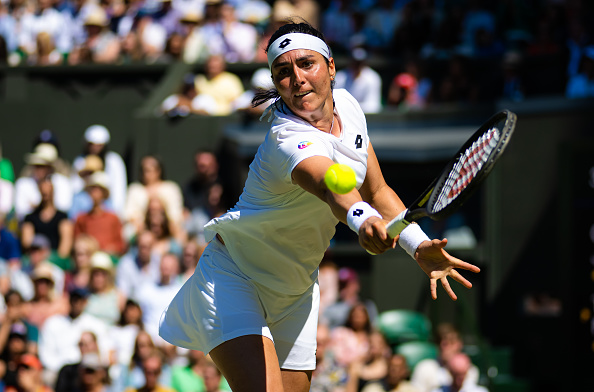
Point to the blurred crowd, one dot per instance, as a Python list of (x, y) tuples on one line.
[(90, 258), (431, 51)]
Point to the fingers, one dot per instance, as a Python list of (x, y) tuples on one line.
[(433, 286), (460, 279), (448, 288)]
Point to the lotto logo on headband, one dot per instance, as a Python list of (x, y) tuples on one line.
[(303, 145), (284, 44)]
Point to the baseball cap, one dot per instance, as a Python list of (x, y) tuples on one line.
[(30, 361), (97, 134), (43, 271), (91, 361), (78, 292), (40, 242)]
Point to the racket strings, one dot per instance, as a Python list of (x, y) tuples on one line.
[(467, 167)]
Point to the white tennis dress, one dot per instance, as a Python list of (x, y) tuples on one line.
[(275, 238)]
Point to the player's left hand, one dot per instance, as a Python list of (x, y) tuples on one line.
[(439, 264)]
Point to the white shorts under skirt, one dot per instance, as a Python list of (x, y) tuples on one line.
[(219, 303)]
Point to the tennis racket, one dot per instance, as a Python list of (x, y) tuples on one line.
[(462, 175)]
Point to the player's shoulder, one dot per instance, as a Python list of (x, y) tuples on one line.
[(345, 102)]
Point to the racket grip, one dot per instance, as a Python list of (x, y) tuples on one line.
[(397, 224)]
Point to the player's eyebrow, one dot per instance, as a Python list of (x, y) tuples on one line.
[(282, 64)]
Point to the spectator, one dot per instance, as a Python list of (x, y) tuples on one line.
[(191, 254), (15, 323), (71, 376), (458, 85), (94, 376), (10, 249), (47, 220), (125, 331), (131, 49), (49, 137), (396, 380), (195, 48), (45, 51), (309, 10), (167, 234), (513, 87), (185, 101), (459, 366), (81, 201), (214, 206), (362, 82), (29, 376), (239, 39), (261, 80), (105, 302), (39, 253), (46, 19), (139, 264), (41, 162), (190, 377), (6, 169), (329, 375), (206, 172), (338, 26), (348, 288), (382, 21), (152, 368), (103, 225), (46, 302), (168, 17), (8, 30), (430, 374), (79, 277), (97, 138), (154, 298), (152, 184), (223, 87), (350, 342), (153, 37), (133, 377), (60, 335), (373, 367), (174, 49), (15, 347), (581, 85), (101, 45), (212, 378)]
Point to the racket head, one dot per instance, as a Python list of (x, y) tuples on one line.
[(470, 166)]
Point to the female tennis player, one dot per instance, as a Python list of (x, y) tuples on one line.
[(252, 302)]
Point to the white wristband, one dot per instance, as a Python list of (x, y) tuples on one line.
[(359, 213), (411, 237)]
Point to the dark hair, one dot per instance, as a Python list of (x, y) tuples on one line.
[(297, 25), (159, 164)]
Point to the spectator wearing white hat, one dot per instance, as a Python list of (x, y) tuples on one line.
[(97, 138), (362, 82), (101, 46), (106, 301), (100, 224), (42, 164), (44, 19)]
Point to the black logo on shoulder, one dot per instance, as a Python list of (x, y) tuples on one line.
[(284, 43), (359, 141)]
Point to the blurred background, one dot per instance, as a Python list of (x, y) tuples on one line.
[(134, 117)]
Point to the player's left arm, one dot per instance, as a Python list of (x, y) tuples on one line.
[(377, 192)]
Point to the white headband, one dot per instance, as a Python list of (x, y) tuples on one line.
[(294, 41)]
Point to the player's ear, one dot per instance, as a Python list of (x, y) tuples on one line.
[(331, 68)]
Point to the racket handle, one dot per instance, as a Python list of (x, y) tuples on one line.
[(397, 224)]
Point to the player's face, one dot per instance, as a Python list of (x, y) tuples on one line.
[(302, 78)]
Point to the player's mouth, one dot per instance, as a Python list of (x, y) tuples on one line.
[(302, 94)]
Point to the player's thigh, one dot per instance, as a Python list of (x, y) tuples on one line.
[(296, 380), (249, 363)]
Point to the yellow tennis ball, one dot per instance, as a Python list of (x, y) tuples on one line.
[(340, 178)]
